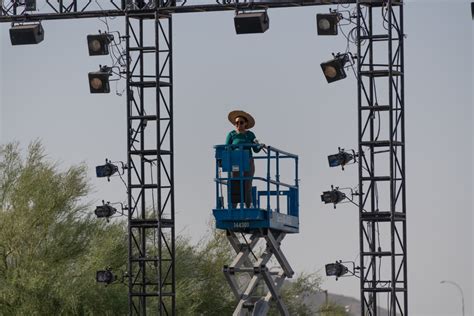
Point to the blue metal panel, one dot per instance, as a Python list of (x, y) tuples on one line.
[(233, 160), (249, 219), (293, 201)]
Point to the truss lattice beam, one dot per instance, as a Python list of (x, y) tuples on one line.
[(12, 11)]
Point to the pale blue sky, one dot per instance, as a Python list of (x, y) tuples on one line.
[(276, 76)]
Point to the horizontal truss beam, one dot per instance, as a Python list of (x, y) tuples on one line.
[(76, 13)]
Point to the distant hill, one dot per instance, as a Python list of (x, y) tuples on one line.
[(351, 304)]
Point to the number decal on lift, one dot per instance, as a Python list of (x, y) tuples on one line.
[(242, 225)]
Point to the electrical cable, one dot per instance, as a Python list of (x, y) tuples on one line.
[(126, 188), (388, 304), (344, 5), (384, 17), (374, 87), (153, 201)]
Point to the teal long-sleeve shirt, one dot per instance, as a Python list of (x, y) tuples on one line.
[(234, 138)]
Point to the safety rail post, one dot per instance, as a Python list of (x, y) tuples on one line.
[(218, 183), (277, 178), (240, 178), (268, 179), (229, 186)]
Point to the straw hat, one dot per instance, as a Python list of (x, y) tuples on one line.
[(234, 114)]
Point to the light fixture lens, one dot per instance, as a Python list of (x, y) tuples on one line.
[(327, 23), (336, 269), (98, 44), (95, 45), (331, 269), (324, 24), (334, 69), (334, 196), (330, 72), (105, 211), (99, 81), (334, 160), (104, 276), (340, 159), (106, 170), (96, 83)]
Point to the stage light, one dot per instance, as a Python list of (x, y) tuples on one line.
[(99, 44), (99, 80), (106, 170), (105, 211), (336, 269), (26, 34), (105, 276), (327, 23), (253, 22), (334, 69), (341, 158), (30, 5), (334, 196)]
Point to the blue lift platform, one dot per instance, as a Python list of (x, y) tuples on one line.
[(274, 203), (253, 208)]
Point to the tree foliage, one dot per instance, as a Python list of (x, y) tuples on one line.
[(51, 246), (201, 286), (297, 292)]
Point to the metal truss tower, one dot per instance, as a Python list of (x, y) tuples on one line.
[(151, 228), (382, 199)]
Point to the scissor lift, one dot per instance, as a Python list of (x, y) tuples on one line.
[(272, 213)]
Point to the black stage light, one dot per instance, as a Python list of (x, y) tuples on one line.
[(26, 34), (99, 44), (340, 159), (106, 170), (105, 211), (99, 80), (327, 23), (334, 196), (336, 269), (334, 69), (30, 5), (105, 276), (254, 22)]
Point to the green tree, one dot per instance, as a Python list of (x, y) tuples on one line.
[(297, 292), (50, 245), (201, 286)]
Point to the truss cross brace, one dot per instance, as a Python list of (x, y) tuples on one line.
[(252, 302)]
